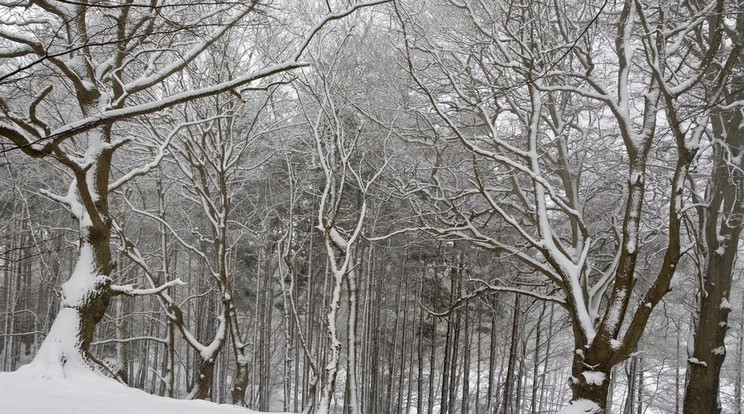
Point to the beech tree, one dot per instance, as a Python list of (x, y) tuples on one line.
[(720, 211), (524, 90)]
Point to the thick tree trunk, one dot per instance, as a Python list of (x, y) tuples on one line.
[(590, 385), (240, 379), (203, 382), (87, 293), (723, 221), (704, 365), (86, 296), (590, 376)]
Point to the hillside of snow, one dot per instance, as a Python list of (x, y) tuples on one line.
[(30, 392)]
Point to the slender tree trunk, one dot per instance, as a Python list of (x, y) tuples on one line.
[(432, 367), (466, 362), (331, 369), (351, 351), (121, 346), (409, 390), (546, 365), (420, 350), (511, 367), (492, 389), (444, 400), (631, 380), (639, 393), (722, 221), (678, 377), (402, 357), (739, 364), (521, 374), (393, 345), (536, 364), (478, 364)]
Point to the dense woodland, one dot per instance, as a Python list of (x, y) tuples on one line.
[(408, 206)]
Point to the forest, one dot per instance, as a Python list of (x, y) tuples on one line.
[(374, 206)]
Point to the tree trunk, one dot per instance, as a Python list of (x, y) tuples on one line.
[(739, 365), (351, 351), (544, 385), (420, 352), (444, 401), (466, 363), (492, 389), (723, 221), (536, 363), (630, 396), (592, 384), (509, 381), (86, 297)]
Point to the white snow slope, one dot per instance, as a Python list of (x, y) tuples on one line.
[(28, 391)]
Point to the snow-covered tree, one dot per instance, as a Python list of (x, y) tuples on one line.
[(720, 212), (548, 108), (107, 62)]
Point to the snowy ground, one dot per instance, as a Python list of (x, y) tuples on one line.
[(28, 392)]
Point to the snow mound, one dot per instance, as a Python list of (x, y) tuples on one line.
[(31, 391), (580, 407)]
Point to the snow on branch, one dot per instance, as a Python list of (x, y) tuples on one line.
[(130, 290), (70, 200), (132, 339), (110, 116), (732, 105)]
